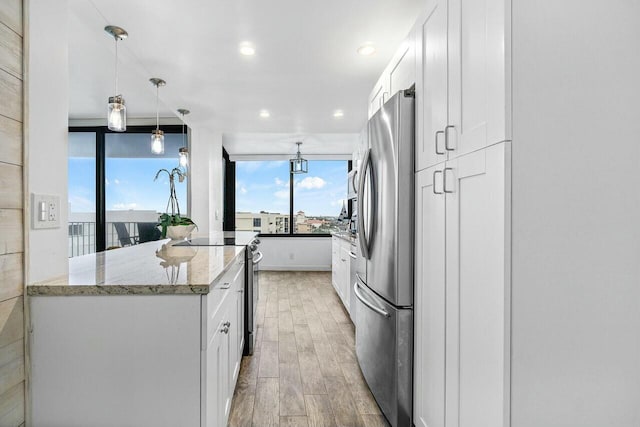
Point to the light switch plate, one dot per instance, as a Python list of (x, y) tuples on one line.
[(45, 211)]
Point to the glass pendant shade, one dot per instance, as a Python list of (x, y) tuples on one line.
[(298, 164), (184, 157), (157, 142), (117, 114)]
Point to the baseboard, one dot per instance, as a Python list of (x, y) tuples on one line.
[(295, 268)]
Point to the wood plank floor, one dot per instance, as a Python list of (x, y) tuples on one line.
[(304, 371)]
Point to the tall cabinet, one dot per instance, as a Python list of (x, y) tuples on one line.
[(526, 246)]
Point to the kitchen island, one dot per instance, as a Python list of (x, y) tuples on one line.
[(148, 335)]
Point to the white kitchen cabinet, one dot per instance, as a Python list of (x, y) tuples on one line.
[(462, 291), (402, 73), (461, 91), (378, 94), (431, 85), (478, 79), (341, 270), (398, 75), (429, 302), (161, 360)]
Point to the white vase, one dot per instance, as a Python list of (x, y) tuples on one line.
[(179, 232)]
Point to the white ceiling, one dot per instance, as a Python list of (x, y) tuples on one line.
[(305, 67)]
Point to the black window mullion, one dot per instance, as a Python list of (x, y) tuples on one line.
[(101, 212), (290, 202)]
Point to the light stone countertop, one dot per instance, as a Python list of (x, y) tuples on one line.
[(345, 235), (145, 269)]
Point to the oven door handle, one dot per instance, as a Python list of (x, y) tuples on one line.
[(367, 303), (260, 256)]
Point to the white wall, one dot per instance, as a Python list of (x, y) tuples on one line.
[(576, 208), (296, 253), (47, 86), (206, 180)]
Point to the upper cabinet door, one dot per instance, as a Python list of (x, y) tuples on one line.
[(478, 77), (403, 71), (379, 94), (431, 85)]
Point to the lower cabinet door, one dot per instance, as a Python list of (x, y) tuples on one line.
[(477, 288), (219, 376), (429, 302)]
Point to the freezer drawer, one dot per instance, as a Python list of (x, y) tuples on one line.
[(384, 347)]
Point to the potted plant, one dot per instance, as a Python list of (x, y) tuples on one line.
[(174, 225)]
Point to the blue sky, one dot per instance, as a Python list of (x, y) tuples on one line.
[(259, 186), (265, 186), (130, 184)]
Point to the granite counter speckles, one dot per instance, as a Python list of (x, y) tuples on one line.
[(145, 269)]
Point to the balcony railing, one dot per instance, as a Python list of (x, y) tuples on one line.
[(82, 236)]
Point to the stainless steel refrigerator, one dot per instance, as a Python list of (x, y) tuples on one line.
[(384, 267)]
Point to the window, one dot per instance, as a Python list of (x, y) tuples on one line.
[(319, 197), (262, 196), (133, 199), (265, 189), (82, 193), (122, 206)]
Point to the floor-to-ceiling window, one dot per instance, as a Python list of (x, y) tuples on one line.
[(114, 200), (271, 200)]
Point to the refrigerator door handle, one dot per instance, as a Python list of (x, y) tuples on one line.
[(364, 244), (365, 302)]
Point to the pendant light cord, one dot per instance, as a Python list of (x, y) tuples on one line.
[(157, 107), (116, 67)]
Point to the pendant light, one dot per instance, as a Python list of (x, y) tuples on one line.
[(298, 164), (117, 112), (157, 136), (184, 150)]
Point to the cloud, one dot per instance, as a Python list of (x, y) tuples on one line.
[(282, 194), (106, 181), (311, 182), (279, 182), (243, 190), (116, 181), (124, 206)]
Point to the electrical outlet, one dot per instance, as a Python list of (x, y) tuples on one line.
[(45, 211)]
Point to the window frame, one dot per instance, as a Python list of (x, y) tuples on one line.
[(101, 205), (230, 195)]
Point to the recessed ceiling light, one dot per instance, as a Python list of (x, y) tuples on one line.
[(264, 114), (338, 113), (366, 49), (247, 49)]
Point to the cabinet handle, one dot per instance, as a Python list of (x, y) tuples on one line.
[(440, 132), (224, 330), (446, 138), (225, 285), (352, 255), (227, 324), (444, 180), (433, 185)]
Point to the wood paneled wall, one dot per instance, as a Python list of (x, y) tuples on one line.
[(12, 361)]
